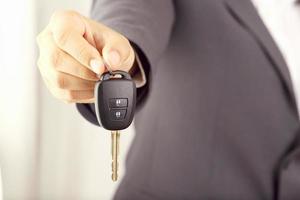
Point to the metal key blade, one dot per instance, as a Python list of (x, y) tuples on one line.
[(115, 137)]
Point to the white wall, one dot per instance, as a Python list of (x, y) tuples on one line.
[(18, 99), (47, 150)]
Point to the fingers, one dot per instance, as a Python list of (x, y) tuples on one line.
[(68, 29), (65, 81), (83, 39), (70, 96), (59, 60), (65, 77), (61, 69), (74, 51)]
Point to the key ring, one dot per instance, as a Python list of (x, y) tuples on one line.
[(108, 74)]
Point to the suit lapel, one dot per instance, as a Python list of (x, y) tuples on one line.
[(247, 15)]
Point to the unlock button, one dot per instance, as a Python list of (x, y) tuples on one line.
[(117, 114), (117, 102)]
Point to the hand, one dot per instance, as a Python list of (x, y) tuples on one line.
[(75, 50)]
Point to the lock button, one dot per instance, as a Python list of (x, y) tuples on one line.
[(117, 114)]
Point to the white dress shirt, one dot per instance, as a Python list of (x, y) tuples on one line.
[(282, 18)]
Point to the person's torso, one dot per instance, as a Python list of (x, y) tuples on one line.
[(219, 119)]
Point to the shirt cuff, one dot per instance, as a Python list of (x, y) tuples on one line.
[(139, 77)]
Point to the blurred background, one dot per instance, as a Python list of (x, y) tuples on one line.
[(47, 150)]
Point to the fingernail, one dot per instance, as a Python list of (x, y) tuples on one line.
[(96, 65), (114, 58)]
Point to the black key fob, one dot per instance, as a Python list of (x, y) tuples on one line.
[(115, 100)]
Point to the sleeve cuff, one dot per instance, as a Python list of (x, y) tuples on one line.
[(139, 76)]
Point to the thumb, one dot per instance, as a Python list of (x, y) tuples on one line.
[(118, 55)]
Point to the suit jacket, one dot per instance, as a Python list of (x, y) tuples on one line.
[(217, 118)]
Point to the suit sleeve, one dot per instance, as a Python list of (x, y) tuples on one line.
[(147, 24)]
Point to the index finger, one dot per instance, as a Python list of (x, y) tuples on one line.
[(68, 29)]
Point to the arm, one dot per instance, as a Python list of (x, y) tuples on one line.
[(147, 24)]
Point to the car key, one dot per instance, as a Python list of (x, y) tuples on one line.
[(115, 99)]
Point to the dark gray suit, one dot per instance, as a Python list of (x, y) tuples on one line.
[(217, 118)]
